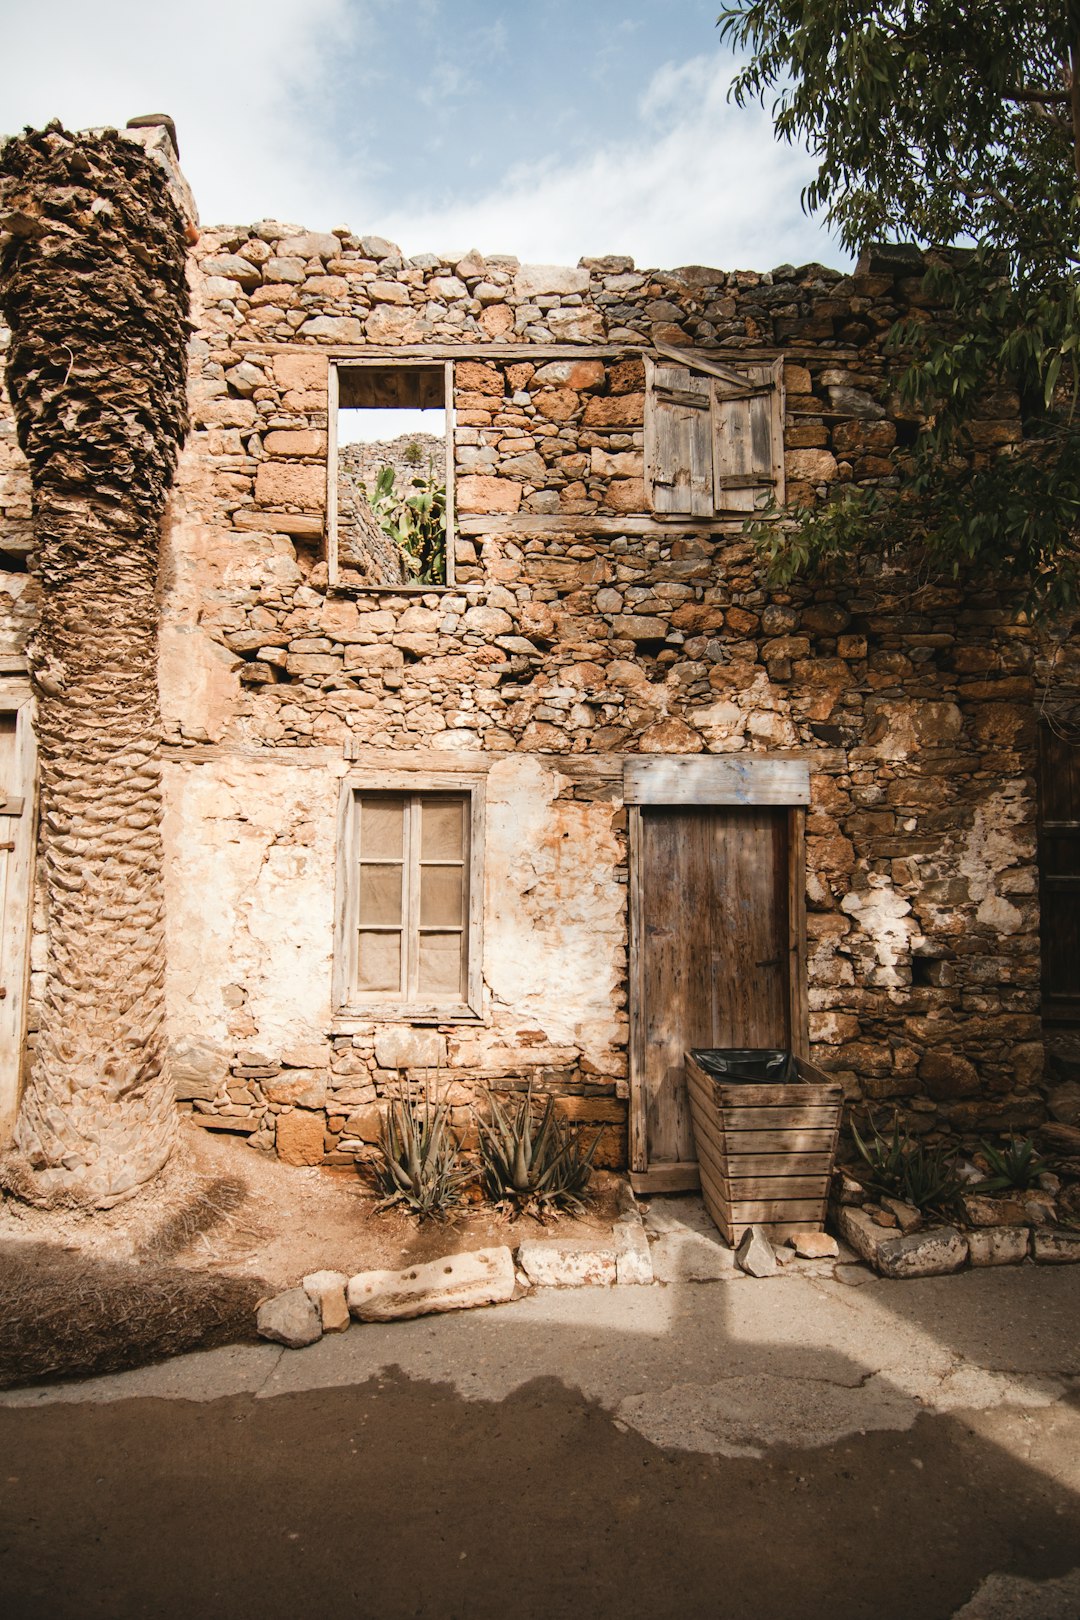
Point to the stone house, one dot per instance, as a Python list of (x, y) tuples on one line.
[(600, 795)]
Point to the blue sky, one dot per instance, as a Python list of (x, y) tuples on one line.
[(545, 128)]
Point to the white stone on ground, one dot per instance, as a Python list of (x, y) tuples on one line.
[(454, 1283), (561, 1265)]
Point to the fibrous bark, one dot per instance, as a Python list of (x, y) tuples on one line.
[(92, 284)]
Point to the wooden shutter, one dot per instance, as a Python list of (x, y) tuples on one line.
[(679, 441), (714, 435)]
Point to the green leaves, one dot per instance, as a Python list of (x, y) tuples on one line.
[(947, 122), (1016, 1165), (415, 521), (903, 1167)]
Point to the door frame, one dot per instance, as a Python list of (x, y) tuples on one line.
[(668, 782), (19, 811)]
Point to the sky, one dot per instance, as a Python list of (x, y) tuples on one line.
[(551, 129)]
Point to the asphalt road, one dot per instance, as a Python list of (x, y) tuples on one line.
[(790, 1447)]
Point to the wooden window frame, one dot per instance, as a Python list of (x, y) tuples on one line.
[(349, 1003), (385, 363), (711, 492)]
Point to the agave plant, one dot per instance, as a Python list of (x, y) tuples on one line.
[(1016, 1165), (420, 1165), (538, 1166), (906, 1168)]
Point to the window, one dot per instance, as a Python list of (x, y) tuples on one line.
[(390, 477), (411, 909), (714, 435)]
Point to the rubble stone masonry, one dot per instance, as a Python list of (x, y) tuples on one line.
[(579, 630)]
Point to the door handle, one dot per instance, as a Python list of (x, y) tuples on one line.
[(772, 961)]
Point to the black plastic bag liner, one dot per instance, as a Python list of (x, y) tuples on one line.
[(750, 1066)]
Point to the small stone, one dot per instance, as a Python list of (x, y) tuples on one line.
[(290, 1319), (755, 1254), (815, 1245), (908, 1218), (326, 1291), (1039, 1210)]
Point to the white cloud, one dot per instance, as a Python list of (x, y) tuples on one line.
[(257, 93), (237, 78), (690, 179)]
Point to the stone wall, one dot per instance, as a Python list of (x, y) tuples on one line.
[(579, 632)]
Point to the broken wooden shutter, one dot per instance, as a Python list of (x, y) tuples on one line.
[(748, 437), (679, 441), (714, 435)]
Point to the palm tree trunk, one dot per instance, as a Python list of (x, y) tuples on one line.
[(92, 284)]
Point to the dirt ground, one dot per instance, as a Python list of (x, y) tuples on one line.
[(184, 1264)]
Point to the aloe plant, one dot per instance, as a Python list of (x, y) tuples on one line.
[(538, 1166), (416, 522), (420, 1165), (903, 1167), (1014, 1166)]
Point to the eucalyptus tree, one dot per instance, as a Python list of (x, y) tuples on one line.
[(950, 123)]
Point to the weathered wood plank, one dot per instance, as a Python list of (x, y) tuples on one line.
[(793, 1142), (759, 1119), (747, 1188), (780, 1163), (663, 1178), (679, 780), (761, 1211)]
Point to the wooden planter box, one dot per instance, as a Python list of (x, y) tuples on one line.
[(765, 1151)]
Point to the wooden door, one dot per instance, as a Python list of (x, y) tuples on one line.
[(716, 960), (1059, 875), (16, 858)]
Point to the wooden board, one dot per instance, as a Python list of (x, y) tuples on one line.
[(667, 1178), (675, 781)]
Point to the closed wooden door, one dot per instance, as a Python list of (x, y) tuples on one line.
[(1059, 875), (713, 954)]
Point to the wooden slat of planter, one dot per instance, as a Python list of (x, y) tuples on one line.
[(757, 1119), (777, 1187), (796, 1096), (727, 1147), (779, 1231), (779, 1164), (781, 1141), (807, 1212)]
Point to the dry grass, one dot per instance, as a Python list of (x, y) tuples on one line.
[(68, 1314)]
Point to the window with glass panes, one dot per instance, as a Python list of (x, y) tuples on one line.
[(412, 909)]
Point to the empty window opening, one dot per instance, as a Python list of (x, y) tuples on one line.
[(393, 516)]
